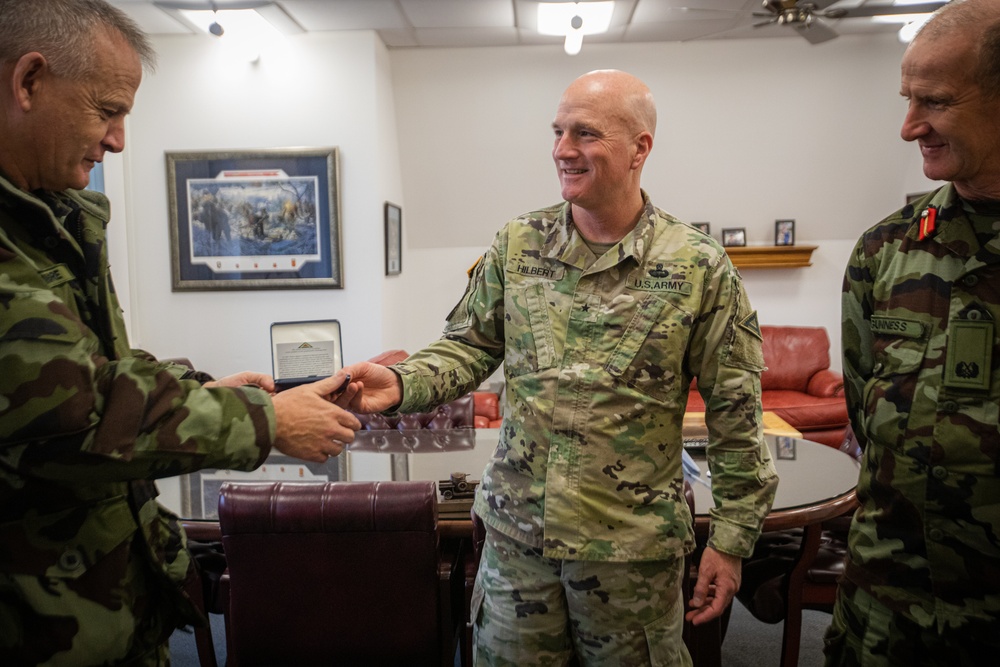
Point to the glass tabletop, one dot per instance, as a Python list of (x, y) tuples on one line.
[(808, 473)]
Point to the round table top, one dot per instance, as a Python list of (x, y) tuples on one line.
[(816, 483)]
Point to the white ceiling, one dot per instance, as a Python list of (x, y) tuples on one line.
[(470, 23)]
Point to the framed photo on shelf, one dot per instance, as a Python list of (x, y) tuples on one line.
[(702, 227), (786, 448), (254, 219), (734, 236), (393, 239), (784, 232)]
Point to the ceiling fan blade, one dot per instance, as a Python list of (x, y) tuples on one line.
[(816, 32), (866, 11), (761, 24)]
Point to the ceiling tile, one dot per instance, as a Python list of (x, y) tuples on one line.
[(346, 14), (479, 36), (459, 13)]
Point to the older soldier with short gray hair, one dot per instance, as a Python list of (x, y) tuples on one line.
[(92, 568), (921, 308), (601, 309)]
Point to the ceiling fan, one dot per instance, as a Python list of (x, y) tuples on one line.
[(807, 16)]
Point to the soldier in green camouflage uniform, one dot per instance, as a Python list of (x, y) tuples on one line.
[(92, 569), (922, 369), (600, 329)]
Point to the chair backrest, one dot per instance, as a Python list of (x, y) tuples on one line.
[(793, 355), (342, 573)]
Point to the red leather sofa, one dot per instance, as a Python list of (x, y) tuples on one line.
[(798, 384)]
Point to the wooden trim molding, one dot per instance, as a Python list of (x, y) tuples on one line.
[(771, 257)]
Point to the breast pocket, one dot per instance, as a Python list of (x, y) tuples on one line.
[(529, 342), (889, 393), (650, 354)]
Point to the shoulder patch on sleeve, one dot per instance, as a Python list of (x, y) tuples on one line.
[(751, 325)]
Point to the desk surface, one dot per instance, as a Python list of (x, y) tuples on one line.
[(816, 482)]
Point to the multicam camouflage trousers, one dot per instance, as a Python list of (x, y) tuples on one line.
[(535, 611), (866, 633)]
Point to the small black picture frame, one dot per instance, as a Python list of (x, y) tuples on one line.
[(393, 239), (786, 448), (734, 237), (702, 227), (784, 232)]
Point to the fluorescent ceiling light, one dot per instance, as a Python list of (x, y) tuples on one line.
[(574, 20), (555, 18), (900, 18), (235, 21)]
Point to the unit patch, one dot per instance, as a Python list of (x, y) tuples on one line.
[(970, 350), (751, 325)]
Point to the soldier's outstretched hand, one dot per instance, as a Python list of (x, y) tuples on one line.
[(381, 388), (309, 425)]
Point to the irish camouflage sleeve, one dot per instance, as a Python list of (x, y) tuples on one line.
[(64, 405), (472, 345), (726, 356), (856, 338)]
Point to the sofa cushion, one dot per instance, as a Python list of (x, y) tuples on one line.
[(806, 412)]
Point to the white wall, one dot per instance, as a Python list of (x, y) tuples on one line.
[(318, 90), (314, 90), (749, 131)]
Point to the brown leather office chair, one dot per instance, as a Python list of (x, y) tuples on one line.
[(345, 573)]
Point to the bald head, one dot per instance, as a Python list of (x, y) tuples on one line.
[(972, 24), (623, 96)]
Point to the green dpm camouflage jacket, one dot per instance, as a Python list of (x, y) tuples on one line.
[(922, 378), (598, 355), (91, 567)]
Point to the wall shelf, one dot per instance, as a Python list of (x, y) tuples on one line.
[(771, 257)]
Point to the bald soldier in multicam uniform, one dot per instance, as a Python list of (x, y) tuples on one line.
[(922, 368), (601, 309), (92, 570)]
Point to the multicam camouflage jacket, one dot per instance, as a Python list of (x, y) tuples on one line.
[(91, 567), (599, 354), (922, 377)]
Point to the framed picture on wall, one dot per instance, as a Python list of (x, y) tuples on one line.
[(393, 239), (702, 227), (734, 236), (784, 232), (261, 219)]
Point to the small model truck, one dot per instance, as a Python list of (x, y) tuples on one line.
[(457, 486)]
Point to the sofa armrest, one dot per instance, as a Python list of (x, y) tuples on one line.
[(826, 383)]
